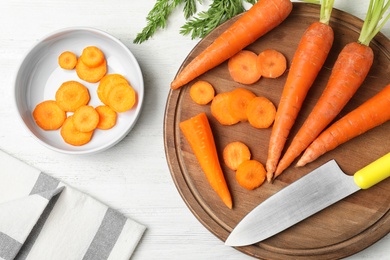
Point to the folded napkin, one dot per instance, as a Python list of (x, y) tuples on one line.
[(43, 218)]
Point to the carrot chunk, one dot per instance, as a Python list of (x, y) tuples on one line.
[(202, 92), (220, 109), (92, 56), (121, 98), (236, 153), (271, 63), (67, 60), (261, 112), (243, 67), (48, 115), (107, 117), (85, 119), (73, 136), (250, 174), (238, 103), (90, 74), (71, 95)]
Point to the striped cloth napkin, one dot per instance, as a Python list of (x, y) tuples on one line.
[(43, 218)]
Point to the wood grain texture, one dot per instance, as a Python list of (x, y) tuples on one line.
[(338, 231)]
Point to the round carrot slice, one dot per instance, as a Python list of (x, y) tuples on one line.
[(220, 109), (107, 117), (106, 83), (73, 136), (121, 98), (85, 119), (261, 112), (71, 95), (243, 67), (250, 174), (239, 100), (67, 60), (236, 153), (91, 74), (202, 92), (48, 115), (92, 56), (271, 63)]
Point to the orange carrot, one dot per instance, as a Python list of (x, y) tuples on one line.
[(257, 21), (308, 60), (238, 103), (370, 114), (220, 109), (271, 63), (198, 133), (243, 67), (202, 92), (67, 60), (261, 112), (250, 174), (348, 73), (235, 153)]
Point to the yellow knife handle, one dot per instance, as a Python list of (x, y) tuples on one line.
[(373, 173)]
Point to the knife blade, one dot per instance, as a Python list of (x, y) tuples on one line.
[(310, 194)]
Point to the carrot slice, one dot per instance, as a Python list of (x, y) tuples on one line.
[(121, 98), (85, 119), (199, 135), (91, 74), (107, 117), (250, 174), (92, 56), (71, 95), (202, 92), (236, 153), (243, 67), (220, 109), (238, 103), (106, 83), (48, 115), (67, 60), (73, 136), (271, 63), (261, 112)]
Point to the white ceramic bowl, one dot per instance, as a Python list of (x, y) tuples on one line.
[(39, 76)]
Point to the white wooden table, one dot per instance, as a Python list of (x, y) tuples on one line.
[(133, 176)]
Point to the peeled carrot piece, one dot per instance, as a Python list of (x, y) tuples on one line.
[(251, 174), (48, 115), (92, 56), (243, 67), (91, 74), (106, 83), (271, 63), (85, 119), (220, 109), (67, 60), (121, 98), (236, 153), (107, 117), (202, 92), (261, 112), (198, 133), (72, 136), (72, 95), (238, 103)]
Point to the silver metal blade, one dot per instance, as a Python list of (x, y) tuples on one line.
[(301, 199)]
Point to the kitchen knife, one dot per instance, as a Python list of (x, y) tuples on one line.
[(304, 197)]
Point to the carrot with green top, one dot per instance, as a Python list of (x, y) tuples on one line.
[(368, 115), (348, 73), (257, 21), (198, 133), (312, 51)]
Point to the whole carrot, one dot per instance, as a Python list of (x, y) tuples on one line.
[(348, 73), (370, 114), (257, 21), (312, 51), (198, 133)]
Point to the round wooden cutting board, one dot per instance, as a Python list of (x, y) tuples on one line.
[(340, 230)]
